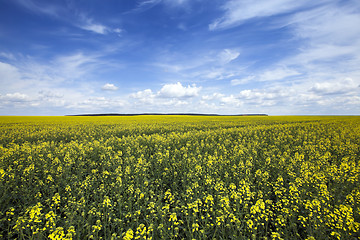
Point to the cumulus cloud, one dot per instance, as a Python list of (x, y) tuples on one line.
[(345, 86), (147, 93), (170, 98), (222, 99), (266, 97), (145, 96), (16, 100), (213, 96), (251, 94), (109, 87), (231, 100), (177, 90)]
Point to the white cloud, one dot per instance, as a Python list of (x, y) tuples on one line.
[(330, 24), (213, 96), (58, 83), (148, 4), (8, 73), (228, 55), (146, 96), (117, 30), (330, 36), (277, 74), (17, 100), (170, 98), (147, 93), (49, 94), (177, 90), (97, 104), (266, 97), (222, 99), (65, 13), (176, 2), (216, 73), (75, 66), (109, 87), (96, 28), (230, 100), (345, 86), (328, 57), (325, 53), (15, 97), (88, 24), (9, 56), (251, 94), (47, 97), (238, 11), (235, 82), (48, 9)]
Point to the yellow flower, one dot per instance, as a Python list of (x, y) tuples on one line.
[(173, 217), (129, 234)]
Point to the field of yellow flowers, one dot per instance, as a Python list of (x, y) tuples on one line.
[(179, 177)]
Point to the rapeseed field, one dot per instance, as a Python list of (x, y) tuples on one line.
[(179, 177)]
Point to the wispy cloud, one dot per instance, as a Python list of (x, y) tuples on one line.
[(145, 5), (8, 73), (211, 65), (240, 81), (228, 55), (68, 14), (59, 82), (277, 74), (238, 11), (97, 104), (42, 8), (96, 28), (286, 57)]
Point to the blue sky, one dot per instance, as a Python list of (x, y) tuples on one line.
[(280, 57)]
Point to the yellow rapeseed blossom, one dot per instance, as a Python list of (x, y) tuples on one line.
[(129, 234), (180, 177)]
